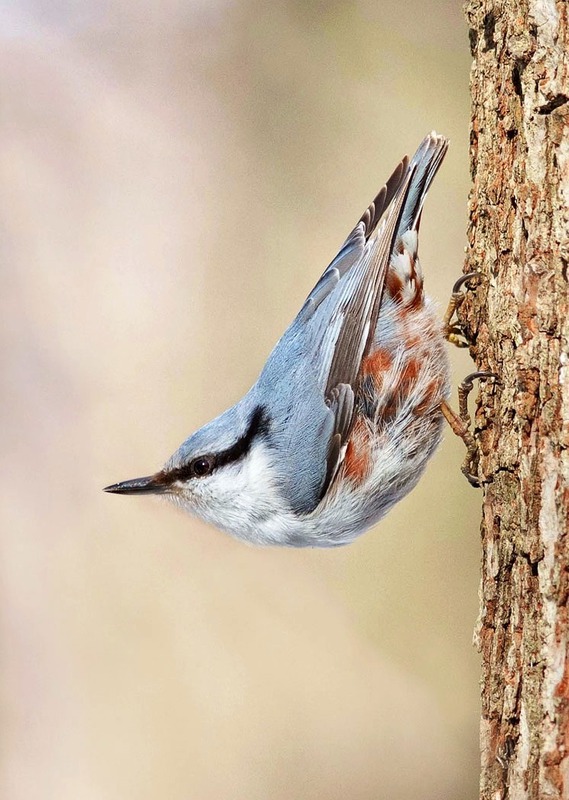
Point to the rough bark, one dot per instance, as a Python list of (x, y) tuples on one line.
[(517, 321)]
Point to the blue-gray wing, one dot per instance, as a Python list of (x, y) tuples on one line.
[(348, 332), (353, 248), (318, 361)]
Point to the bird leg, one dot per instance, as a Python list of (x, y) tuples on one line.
[(452, 331), (460, 424)]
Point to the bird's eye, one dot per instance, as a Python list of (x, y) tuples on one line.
[(202, 466)]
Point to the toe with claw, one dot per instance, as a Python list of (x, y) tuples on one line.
[(452, 330), (460, 423)]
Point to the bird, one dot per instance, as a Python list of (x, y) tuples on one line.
[(348, 408)]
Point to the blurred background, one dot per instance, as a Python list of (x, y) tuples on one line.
[(175, 175)]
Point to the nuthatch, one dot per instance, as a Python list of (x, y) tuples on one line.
[(347, 410)]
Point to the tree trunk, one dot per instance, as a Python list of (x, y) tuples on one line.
[(517, 320)]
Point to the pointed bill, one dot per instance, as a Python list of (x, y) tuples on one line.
[(151, 484)]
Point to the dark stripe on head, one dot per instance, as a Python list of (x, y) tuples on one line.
[(258, 426)]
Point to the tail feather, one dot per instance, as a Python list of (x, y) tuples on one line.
[(424, 166)]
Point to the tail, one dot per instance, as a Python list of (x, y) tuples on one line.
[(423, 167), (407, 188)]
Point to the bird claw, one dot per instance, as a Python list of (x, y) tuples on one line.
[(472, 479), (461, 423), (453, 332)]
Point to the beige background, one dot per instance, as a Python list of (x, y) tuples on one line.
[(174, 177)]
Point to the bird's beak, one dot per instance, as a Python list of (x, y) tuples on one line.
[(152, 484)]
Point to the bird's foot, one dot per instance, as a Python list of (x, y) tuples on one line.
[(461, 423), (452, 331)]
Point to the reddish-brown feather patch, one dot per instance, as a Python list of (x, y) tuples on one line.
[(394, 284), (409, 375), (390, 406), (377, 363), (398, 392), (356, 460), (430, 398), (412, 341)]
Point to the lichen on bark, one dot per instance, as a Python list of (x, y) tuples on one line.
[(517, 320)]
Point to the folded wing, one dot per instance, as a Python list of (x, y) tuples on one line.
[(351, 327)]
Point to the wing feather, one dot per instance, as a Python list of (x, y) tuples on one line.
[(353, 248), (396, 209), (341, 402), (357, 309)]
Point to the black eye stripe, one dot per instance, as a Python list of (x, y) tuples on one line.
[(258, 426)]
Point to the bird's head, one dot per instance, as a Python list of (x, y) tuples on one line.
[(221, 473)]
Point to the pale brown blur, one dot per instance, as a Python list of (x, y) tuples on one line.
[(175, 175)]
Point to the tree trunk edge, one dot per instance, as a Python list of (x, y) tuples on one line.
[(517, 319)]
